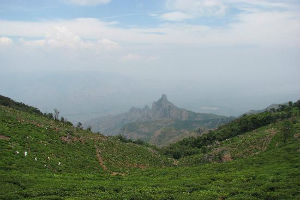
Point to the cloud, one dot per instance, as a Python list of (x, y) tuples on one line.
[(252, 55), (261, 3), (220, 8), (59, 36), (88, 2), (131, 57), (63, 37), (108, 44), (5, 41), (196, 8), (33, 43), (175, 16), (258, 28)]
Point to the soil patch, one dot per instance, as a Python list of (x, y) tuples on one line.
[(3, 137)]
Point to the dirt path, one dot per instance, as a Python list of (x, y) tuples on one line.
[(100, 160), (101, 163), (268, 139), (3, 137)]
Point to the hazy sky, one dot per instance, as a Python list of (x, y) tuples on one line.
[(95, 57)]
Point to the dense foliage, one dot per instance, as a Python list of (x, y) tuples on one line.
[(5, 101), (128, 140)]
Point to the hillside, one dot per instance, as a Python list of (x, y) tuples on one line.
[(237, 127), (5, 101), (165, 132), (32, 142), (253, 157), (269, 108), (160, 125)]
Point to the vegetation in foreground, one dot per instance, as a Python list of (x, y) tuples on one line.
[(49, 159)]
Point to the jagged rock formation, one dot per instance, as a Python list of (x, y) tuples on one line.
[(161, 124), (163, 109)]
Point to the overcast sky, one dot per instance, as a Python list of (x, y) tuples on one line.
[(96, 57)]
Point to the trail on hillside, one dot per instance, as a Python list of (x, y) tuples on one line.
[(268, 139), (101, 163), (3, 137), (100, 160)]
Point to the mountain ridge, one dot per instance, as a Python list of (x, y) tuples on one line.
[(162, 109), (160, 124)]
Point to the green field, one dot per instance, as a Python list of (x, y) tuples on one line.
[(255, 161)]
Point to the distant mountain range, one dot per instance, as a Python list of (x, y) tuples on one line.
[(161, 124)]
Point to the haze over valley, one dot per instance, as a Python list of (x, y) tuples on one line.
[(220, 57)]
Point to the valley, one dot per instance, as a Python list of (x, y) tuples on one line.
[(253, 157)]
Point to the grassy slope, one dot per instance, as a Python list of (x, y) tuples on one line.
[(263, 166), (241, 146), (55, 147), (273, 174)]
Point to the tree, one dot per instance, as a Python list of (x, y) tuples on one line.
[(89, 128), (56, 114), (79, 125), (286, 129), (49, 115)]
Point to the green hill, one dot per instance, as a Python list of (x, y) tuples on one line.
[(239, 126), (253, 157)]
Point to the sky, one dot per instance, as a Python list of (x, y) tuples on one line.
[(91, 58)]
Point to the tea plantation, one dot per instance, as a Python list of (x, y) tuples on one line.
[(43, 158)]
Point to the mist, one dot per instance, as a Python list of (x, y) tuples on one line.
[(224, 58)]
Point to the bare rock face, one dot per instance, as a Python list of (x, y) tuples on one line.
[(163, 109)]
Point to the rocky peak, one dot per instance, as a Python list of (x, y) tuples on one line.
[(163, 108), (162, 103), (163, 97)]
